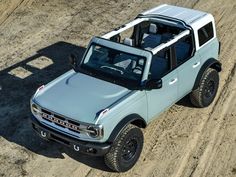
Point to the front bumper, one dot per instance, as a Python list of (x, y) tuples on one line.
[(90, 148)]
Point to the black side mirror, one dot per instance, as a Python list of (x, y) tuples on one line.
[(154, 84), (73, 61)]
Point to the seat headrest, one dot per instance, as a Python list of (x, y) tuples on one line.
[(153, 28), (128, 41), (141, 62)]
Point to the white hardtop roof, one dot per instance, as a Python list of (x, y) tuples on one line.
[(189, 16)]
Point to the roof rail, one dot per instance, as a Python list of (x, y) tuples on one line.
[(172, 41), (124, 27)]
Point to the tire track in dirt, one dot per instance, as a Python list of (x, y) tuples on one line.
[(13, 6), (220, 111), (222, 108)]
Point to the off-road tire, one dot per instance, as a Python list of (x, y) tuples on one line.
[(115, 158), (204, 95)]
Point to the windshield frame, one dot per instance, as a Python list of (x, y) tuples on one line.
[(125, 82)]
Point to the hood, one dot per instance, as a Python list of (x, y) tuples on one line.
[(79, 96)]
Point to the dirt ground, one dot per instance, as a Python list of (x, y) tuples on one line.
[(36, 37)]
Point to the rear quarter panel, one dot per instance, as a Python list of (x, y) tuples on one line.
[(211, 48)]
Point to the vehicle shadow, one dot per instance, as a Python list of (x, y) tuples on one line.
[(18, 83), (185, 101), (92, 161)]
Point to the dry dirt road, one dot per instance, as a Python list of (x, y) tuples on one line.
[(35, 38)]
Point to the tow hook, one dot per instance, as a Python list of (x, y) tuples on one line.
[(76, 148), (43, 134)]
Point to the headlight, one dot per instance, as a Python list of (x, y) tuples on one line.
[(95, 131), (35, 109)]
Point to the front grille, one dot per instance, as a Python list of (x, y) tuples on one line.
[(60, 121)]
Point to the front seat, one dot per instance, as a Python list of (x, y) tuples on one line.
[(124, 60), (128, 41)]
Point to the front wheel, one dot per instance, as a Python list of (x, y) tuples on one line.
[(126, 149), (204, 95)]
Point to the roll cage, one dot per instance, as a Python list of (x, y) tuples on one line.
[(184, 29)]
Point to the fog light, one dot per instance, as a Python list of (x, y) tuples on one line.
[(91, 150)]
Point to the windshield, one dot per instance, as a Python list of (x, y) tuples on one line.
[(114, 65)]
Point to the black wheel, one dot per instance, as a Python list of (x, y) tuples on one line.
[(126, 149), (204, 95)]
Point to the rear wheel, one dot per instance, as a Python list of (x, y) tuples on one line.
[(204, 95), (126, 149)]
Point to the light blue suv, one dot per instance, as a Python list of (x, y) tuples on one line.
[(126, 79)]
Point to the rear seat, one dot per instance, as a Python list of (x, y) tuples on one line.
[(152, 39), (159, 67), (182, 51)]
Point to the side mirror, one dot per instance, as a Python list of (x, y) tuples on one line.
[(73, 61), (154, 84)]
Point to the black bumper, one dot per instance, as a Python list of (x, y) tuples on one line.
[(90, 148)]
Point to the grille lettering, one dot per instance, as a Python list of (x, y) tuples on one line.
[(63, 123)]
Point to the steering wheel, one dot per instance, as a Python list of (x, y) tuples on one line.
[(137, 70), (139, 66)]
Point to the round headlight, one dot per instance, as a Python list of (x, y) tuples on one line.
[(93, 131), (35, 109)]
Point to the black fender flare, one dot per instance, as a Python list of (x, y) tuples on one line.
[(210, 63), (130, 119)]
